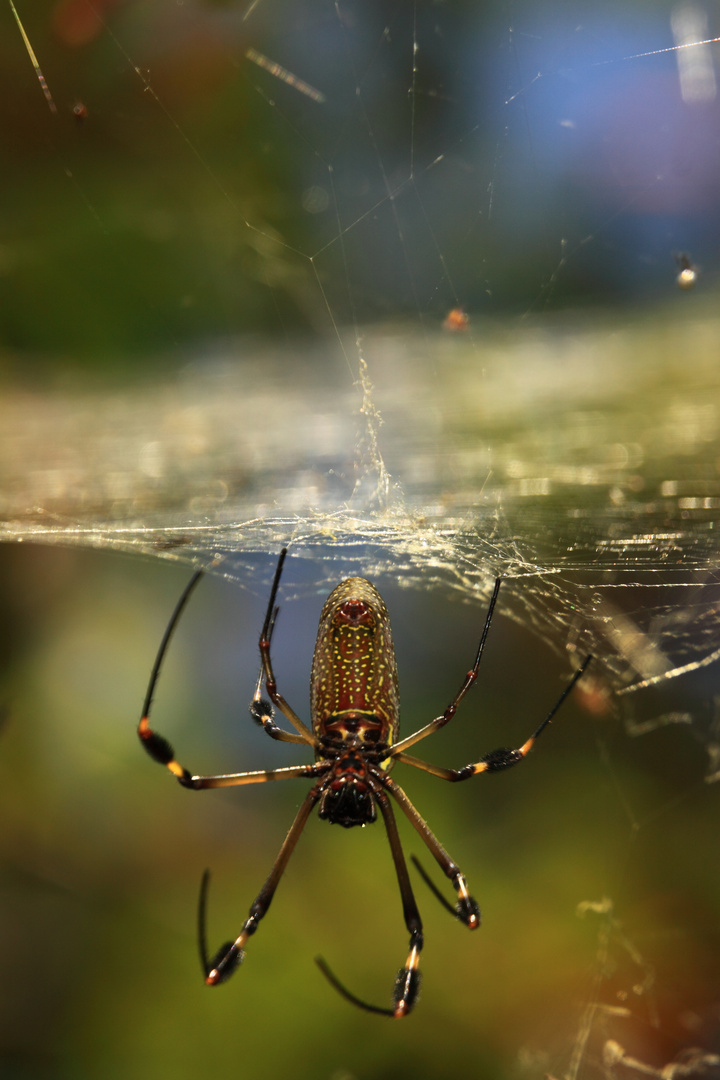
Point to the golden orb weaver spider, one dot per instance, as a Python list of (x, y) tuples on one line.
[(354, 707)]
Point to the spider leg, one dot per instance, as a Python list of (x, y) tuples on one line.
[(202, 922), (169, 630), (260, 708), (161, 750), (466, 909), (407, 982), (229, 956), (469, 680), (262, 713), (431, 885), (502, 758), (259, 711), (253, 776)]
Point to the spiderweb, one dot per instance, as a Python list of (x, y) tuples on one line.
[(368, 230)]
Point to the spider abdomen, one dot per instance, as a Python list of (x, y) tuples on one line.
[(354, 679)]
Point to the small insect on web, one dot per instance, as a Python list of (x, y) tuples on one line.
[(687, 273), (354, 706)]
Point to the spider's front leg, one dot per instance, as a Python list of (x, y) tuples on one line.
[(161, 750), (260, 710), (263, 714), (502, 758)]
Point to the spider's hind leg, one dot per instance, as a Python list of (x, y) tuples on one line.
[(466, 908), (462, 912), (407, 981)]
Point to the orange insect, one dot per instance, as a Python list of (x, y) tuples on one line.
[(456, 321)]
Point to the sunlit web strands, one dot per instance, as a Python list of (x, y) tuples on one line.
[(658, 52), (33, 59), (286, 76)]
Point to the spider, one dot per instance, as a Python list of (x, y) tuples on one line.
[(354, 708)]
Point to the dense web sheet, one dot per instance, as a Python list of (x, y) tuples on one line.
[(588, 492), (369, 229)]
